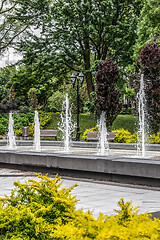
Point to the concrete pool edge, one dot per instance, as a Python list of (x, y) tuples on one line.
[(112, 168)]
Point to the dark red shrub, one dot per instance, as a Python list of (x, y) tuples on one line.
[(149, 64), (107, 94)]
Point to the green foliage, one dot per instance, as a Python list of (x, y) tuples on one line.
[(128, 110), (128, 122), (44, 118), (130, 94), (4, 78), (22, 120), (149, 25), (85, 32), (43, 209), (35, 208), (90, 105), (33, 83), (94, 129), (3, 123), (55, 102)]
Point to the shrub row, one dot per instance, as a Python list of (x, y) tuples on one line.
[(44, 210), (44, 119), (124, 136), (22, 120)]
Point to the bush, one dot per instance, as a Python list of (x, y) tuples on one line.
[(124, 136), (3, 123), (155, 138), (22, 120), (44, 210), (44, 118), (18, 132), (55, 102)]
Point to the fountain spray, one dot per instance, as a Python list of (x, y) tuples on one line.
[(37, 144), (11, 136), (103, 145), (142, 119), (66, 127)]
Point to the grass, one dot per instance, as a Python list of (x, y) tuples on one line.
[(128, 122)]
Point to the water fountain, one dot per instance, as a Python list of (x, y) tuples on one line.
[(142, 119), (103, 145), (11, 136), (66, 126), (37, 143)]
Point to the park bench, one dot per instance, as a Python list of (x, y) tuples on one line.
[(48, 133), (93, 136)]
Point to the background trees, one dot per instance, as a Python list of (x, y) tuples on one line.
[(16, 16), (10, 27), (75, 33), (58, 37), (148, 25)]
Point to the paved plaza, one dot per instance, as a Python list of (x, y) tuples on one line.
[(97, 196)]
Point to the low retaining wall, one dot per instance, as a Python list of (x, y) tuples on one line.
[(113, 168)]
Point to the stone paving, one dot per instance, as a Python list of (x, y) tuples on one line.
[(85, 151), (97, 196)]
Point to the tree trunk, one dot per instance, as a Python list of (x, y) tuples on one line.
[(90, 85)]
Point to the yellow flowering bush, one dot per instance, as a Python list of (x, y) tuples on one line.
[(155, 138), (18, 132), (124, 136), (45, 210)]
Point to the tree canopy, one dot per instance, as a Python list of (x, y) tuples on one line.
[(149, 24), (16, 16), (75, 33)]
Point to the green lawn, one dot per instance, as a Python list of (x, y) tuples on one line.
[(128, 122)]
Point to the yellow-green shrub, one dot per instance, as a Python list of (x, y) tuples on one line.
[(44, 118), (124, 136), (94, 129), (31, 129), (18, 132), (42, 210), (155, 138)]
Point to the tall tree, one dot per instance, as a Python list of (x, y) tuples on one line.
[(149, 63), (27, 78), (76, 32)]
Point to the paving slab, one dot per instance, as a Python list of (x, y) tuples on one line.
[(96, 196)]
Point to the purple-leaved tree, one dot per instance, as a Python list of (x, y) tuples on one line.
[(106, 90), (149, 63)]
